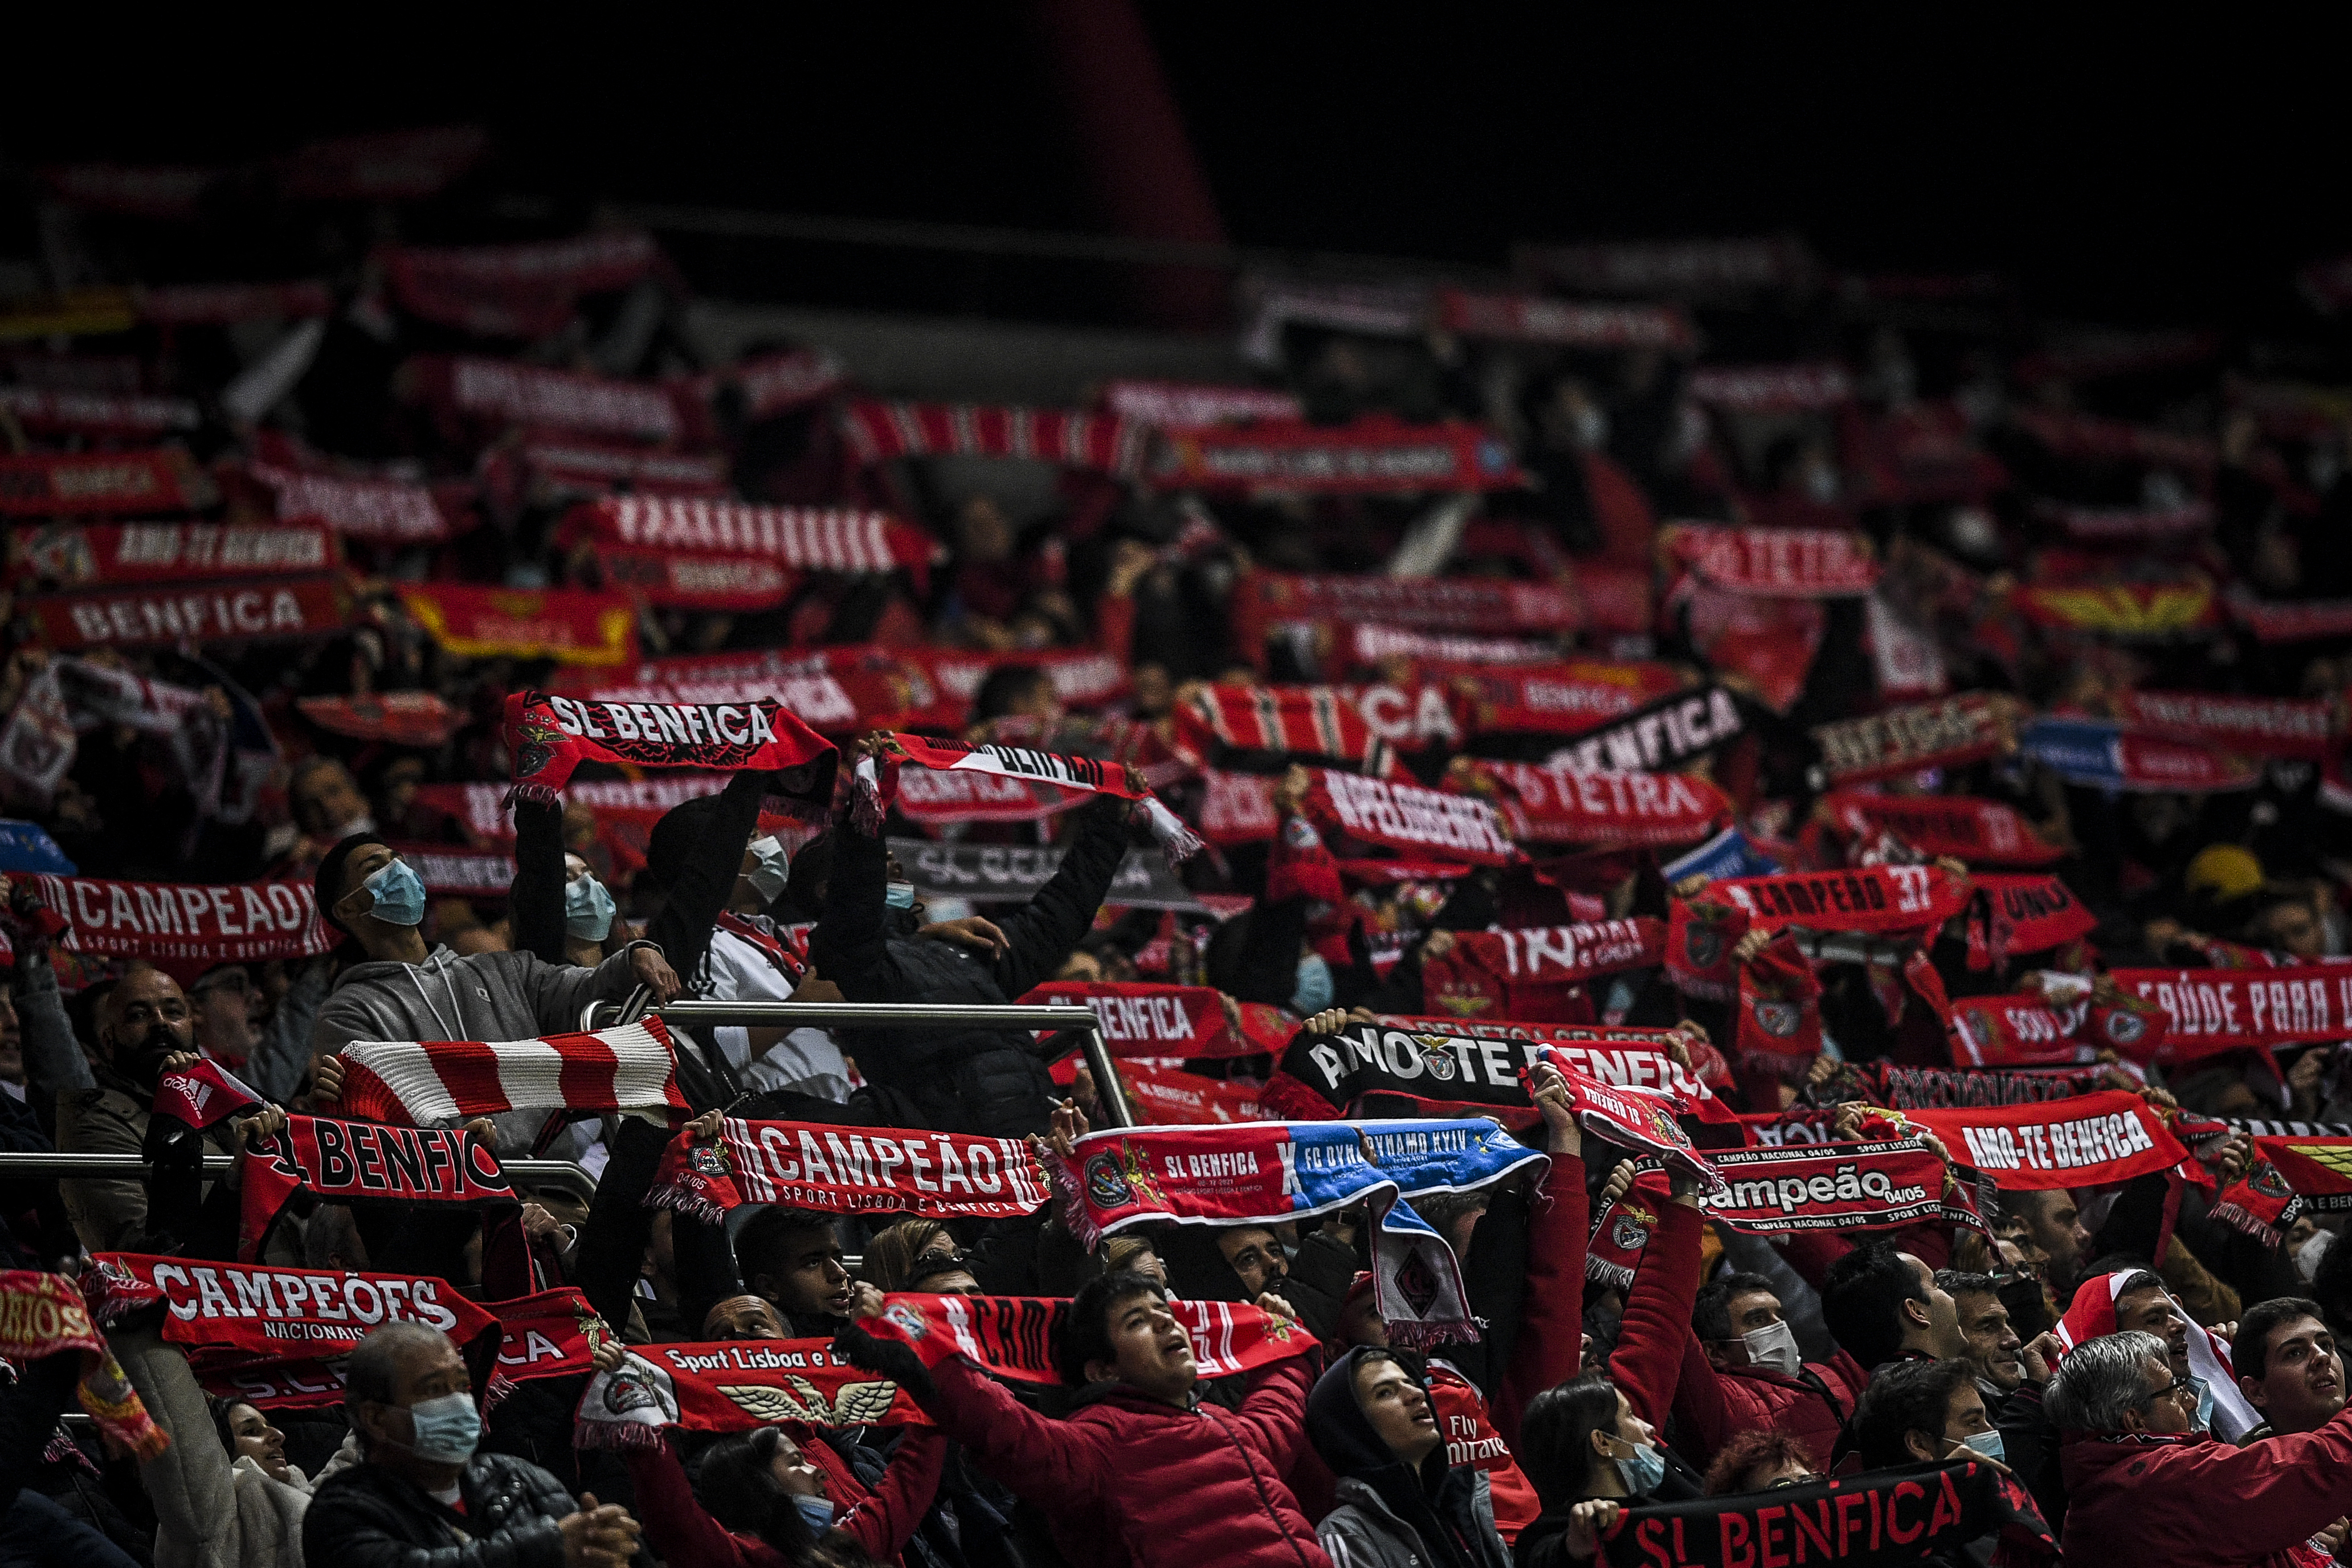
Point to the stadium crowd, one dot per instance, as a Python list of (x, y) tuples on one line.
[(1713, 896)]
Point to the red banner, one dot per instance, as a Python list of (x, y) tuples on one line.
[(1562, 805), (1963, 729), (248, 612), (116, 414), (238, 923), (387, 511), (809, 539), (1957, 825), (1865, 899), (563, 624), (1188, 405), (97, 484), (877, 432), (2260, 726), (1407, 817), (515, 290), (2089, 1140), (1539, 319), (1804, 562), (1377, 455), (2215, 1010), (1537, 974), (501, 393), (1564, 699), (81, 555)]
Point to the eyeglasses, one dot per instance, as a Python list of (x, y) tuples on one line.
[(2193, 1387), (1794, 1482)]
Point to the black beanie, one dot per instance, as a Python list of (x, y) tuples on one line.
[(327, 886), (675, 836)]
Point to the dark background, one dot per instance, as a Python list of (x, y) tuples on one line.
[(2118, 175)]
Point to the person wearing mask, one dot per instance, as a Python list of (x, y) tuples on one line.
[(223, 1492), (1143, 1462), (2287, 1367), (1884, 1305), (987, 1081), (1590, 1457), (1370, 1418), (778, 1497), (2135, 1299), (407, 990), (422, 1496), (2145, 1487), (1758, 1461), (1923, 1411)]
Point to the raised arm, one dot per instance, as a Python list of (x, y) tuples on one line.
[(1040, 934), (1549, 1345), (886, 1521), (190, 1484), (1651, 1347), (851, 944), (676, 1528), (1275, 1412), (706, 880), (535, 898)]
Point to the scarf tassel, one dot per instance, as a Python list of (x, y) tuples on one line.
[(2264, 1231), (617, 1435)]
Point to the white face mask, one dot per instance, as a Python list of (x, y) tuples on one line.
[(775, 866), (1774, 1348)]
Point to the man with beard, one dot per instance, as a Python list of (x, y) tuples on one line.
[(143, 1021), (2053, 1222)]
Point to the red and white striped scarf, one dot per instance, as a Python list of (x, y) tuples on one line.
[(877, 432), (807, 537), (631, 1069)]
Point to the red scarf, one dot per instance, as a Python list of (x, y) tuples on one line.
[(1537, 974), (515, 290), (497, 393), (364, 1162), (1237, 808), (388, 511), (448, 871), (404, 718), (1348, 722), (1371, 648), (1190, 406), (549, 736), (932, 799), (877, 432), (164, 615), (2088, 1140), (2114, 524), (112, 554), (2019, 914), (1632, 1119), (1561, 699), (1264, 599), (202, 1094), (1963, 729), (696, 582), (2292, 620), (581, 467), (632, 1068), (1146, 1020), (1771, 388), (831, 697), (229, 1315), (1167, 1097), (1780, 1010), (734, 1385), (1082, 678), (848, 1170), (1957, 825), (1408, 818), (1701, 932), (2015, 1031), (1299, 866), (2288, 1177), (1659, 738), (241, 923), (95, 484), (1878, 899), (2211, 1010), (788, 961), (222, 304), (1877, 1185), (1375, 455), (1559, 805), (572, 626), (551, 1333), (1802, 563), (1540, 319), (1906, 1088), (42, 1315), (2259, 726), (807, 539), (1621, 1228), (1012, 1336), (873, 788), (1445, 1068), (63, 413), (2129, 610), (2087, 437)]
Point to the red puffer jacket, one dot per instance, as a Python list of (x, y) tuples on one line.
[(1130, 1479), (1659, 1364), (2194, 1501)]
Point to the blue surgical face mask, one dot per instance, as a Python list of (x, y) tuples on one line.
[(817, 1511), (587, 909), (398, 893), (767, 877), (1986, 1443), (446, 1429), (900, 896), (1642, 1470), (1313, 993)]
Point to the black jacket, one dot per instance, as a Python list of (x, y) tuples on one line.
[(367, 1517), (985, 1081)]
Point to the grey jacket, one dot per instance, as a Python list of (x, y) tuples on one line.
[(1363, 1531), (480, 996), (210, 1512)]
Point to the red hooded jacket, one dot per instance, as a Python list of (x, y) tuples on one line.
[(1129, 1478), (879, 1522), (2194, 1501)]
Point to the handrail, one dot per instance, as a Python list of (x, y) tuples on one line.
[(562, 1174), (1110, 1089)]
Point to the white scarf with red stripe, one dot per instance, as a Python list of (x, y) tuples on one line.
[(630, 1068)]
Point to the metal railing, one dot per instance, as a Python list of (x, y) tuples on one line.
[(1080, 1022)]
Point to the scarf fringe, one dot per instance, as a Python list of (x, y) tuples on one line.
[(1691, 984), (1615, 1275), (1177, 842), (1415, 1336), (617, 1435), (685, 1201), (537, 794), (1064, 1184), (865, 804), (2261, 1230), (1788, 1068)]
